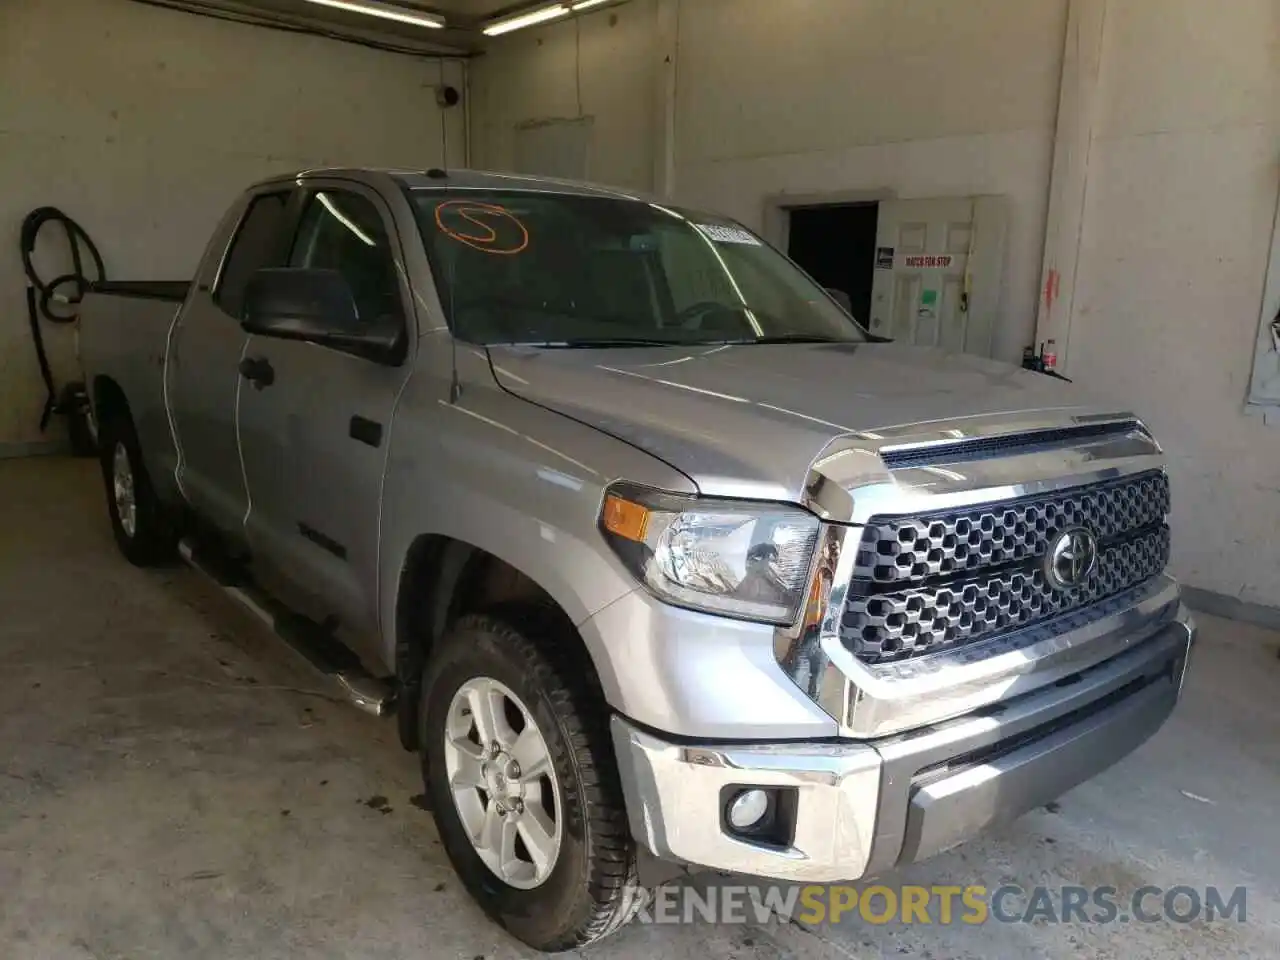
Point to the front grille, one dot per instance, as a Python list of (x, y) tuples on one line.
[(928, 583), (899, 550)]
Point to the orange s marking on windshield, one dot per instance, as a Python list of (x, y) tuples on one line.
[(485, 226)]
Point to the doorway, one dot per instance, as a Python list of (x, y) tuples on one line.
[(836, 245), (926, 271)]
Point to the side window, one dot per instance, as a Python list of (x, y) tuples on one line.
[(344, 232), (255, 245)]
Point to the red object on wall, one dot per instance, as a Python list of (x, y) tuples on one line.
[(1051, 287)]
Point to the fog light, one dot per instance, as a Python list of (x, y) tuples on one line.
[(747, 809)]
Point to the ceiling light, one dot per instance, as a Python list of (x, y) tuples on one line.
[(525, 20), (583, 4), (386, 11)]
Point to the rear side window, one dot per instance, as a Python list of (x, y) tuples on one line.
[(256, 245)]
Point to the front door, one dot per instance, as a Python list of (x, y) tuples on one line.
[(314, 433), (938, 272)]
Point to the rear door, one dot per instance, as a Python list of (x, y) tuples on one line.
[(314, 441), (938, 272), (203, 379)]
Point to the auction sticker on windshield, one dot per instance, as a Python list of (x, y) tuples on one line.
[(723, 233)]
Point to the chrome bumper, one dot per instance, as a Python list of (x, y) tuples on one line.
[(863, 807)]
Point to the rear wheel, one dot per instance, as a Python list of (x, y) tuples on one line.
[(137, 518), (519, 765)]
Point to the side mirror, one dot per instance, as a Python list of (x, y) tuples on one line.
[(841, 297), (301, 303)]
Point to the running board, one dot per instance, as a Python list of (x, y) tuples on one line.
[(312, 641)]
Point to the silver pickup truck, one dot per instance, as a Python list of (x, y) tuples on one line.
[(655, 554)]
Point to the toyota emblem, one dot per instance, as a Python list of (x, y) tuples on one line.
[(1071, 559)]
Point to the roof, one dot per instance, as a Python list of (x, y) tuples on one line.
[(461, 179)]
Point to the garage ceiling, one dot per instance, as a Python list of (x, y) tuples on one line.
[(461, 36)]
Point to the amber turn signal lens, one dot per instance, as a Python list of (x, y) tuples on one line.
[(625, 519), (816, 605)]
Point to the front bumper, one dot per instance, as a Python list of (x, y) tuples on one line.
[(859, 808)]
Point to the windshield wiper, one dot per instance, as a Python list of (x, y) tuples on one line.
[(776, 322), (785, 338), (810, 338), (599, 342)]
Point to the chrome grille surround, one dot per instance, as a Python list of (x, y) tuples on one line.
[(926, 583), (862, 479)]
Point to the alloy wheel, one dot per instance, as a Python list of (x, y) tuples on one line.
[(503, 784), (123, 490)]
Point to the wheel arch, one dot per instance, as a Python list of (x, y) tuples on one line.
[(442, 579), (110, 402), (108, 398)]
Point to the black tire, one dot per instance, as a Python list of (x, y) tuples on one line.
[(152, 541), (593, 889)]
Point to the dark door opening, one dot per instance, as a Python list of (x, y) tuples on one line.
[(836, 245)]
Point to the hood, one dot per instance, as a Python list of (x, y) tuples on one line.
[(750, 420)]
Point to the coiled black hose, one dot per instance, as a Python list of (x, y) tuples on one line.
[(41, 296)]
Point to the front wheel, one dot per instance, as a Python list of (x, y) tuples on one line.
[(519, 766)]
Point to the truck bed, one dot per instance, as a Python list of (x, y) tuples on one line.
[(124, 334), (173, 290)]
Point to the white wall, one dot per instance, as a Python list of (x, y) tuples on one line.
[(598, 65), (920, 98), (1183, 175), (143, 124)]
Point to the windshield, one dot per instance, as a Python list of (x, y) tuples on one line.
[(563, 270)]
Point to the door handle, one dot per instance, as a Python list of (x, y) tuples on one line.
[(365, 430), (258, 371)]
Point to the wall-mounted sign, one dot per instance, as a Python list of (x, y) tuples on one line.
[(928, 260)]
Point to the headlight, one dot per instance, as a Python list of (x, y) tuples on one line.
[(739, 559)]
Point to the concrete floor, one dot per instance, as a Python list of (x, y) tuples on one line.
[(174, 783)]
